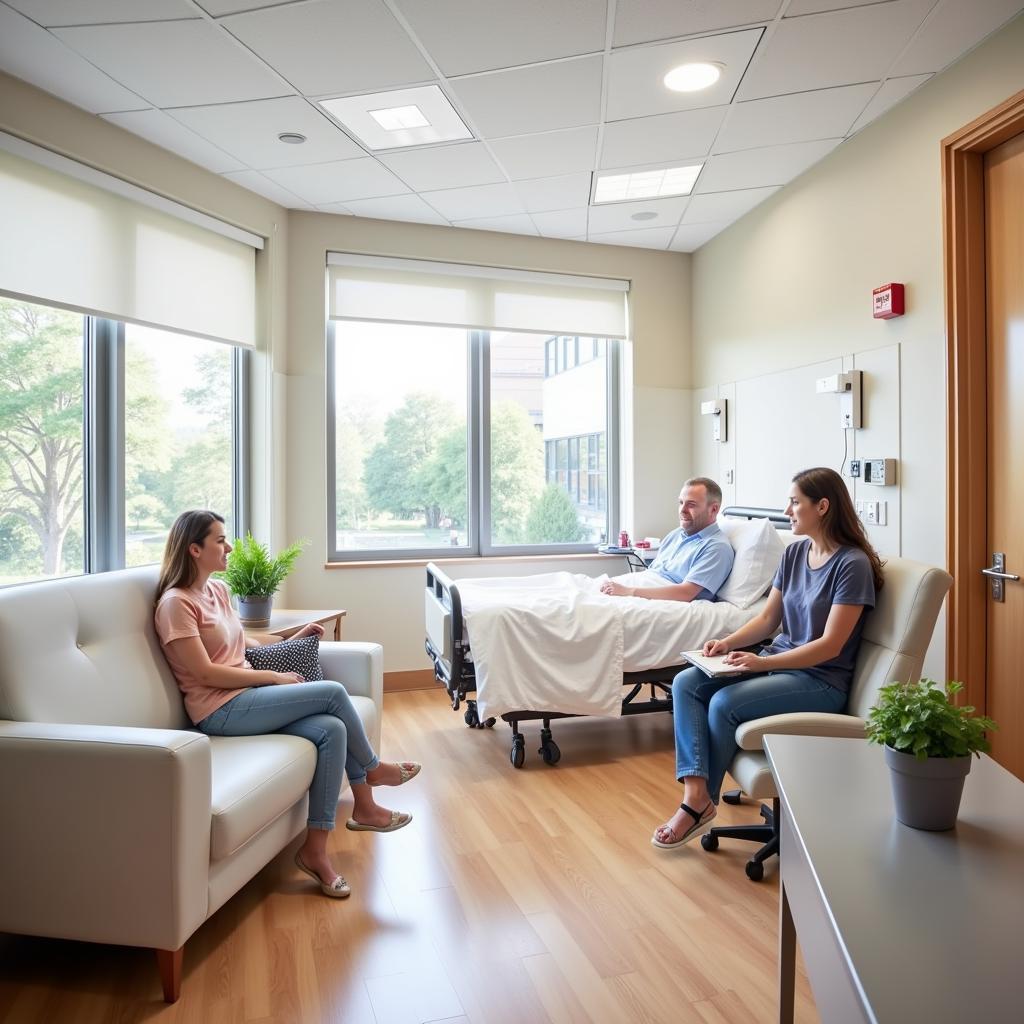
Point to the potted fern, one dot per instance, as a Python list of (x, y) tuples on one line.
[(253, 576), (928, 746)]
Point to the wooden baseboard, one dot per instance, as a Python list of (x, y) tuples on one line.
[(417, 679)]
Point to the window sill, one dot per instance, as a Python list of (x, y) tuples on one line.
[(406, 563)]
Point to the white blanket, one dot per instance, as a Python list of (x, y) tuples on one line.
[(554, 642)]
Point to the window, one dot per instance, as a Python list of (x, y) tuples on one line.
[(107, 432)]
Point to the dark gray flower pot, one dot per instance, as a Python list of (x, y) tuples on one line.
[(255, 611), (927, 793)]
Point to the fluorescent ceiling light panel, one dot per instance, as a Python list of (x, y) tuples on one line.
[(664, 181), (693, 77), (399, 118)]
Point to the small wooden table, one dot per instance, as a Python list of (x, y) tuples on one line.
[(286, 621)]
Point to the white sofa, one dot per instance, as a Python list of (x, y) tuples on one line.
[(119, 822)]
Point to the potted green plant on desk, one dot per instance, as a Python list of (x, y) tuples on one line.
[(253, 576), (928, 746)]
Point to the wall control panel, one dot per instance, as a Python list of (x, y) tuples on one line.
[(881, 472)]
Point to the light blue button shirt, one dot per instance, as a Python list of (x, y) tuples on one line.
[(704, 558)]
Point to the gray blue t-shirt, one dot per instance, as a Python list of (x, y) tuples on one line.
[(807, 598), (705, 558)]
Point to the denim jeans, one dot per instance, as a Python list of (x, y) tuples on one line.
[(707, 712), (320, 712)]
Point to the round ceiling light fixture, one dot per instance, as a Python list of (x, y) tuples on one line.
[(644, 215), (693, 77), (292, 138)]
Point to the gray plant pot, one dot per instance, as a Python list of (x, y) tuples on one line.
[(255, 611), (927, 793)]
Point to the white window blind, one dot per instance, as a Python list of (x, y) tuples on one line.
[(488, 298), (78, 245)]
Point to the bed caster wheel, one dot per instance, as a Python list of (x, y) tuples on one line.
[(471, 718), (754, 870), (550, 752), (710, 842), (490, 723), (518, 754), (733, 796)]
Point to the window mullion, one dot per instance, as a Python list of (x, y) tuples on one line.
[(241, 364), (480, 442)]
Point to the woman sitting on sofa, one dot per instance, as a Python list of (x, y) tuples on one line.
[(204, 644)]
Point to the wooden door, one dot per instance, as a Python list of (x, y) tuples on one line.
[(1004, 262)]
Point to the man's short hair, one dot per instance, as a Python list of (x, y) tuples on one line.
[(713, 491)]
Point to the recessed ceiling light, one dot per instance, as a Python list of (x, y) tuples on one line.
[(292, 138), (394, 119), (643, 215), (665, 181), (401, 117), (692, 77)]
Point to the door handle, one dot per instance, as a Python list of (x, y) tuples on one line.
[(997, 575)]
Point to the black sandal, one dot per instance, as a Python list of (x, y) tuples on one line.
[(699, 821)]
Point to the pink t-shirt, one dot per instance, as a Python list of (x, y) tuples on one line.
[(207, 613)]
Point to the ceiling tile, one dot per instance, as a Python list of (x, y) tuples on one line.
[(256, 182), (250, 132), (645, 238), (840, 48), (333, 46), (621, 216), (562, 223), (51, 13), (663, 138), (800, 117), (692, 236), (156, 126), (799, 7), (478, 201), (534, 156), (517, 224), (148, 58), (725, 206), (34, 55), (755, 168), (635, 86), (404, 208), (566, 94), (562, 193), (463, 36), (220, 7), (444, 166), (892, 92), (640, 21), (338, 181), (951, 31)]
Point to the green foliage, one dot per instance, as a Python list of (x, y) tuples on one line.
[(251, 571), (553, 519), (921, 719), (517, 471)]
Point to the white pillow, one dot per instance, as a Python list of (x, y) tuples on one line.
[(758, 549)]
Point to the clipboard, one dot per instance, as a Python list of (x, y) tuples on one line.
[(714, 667)]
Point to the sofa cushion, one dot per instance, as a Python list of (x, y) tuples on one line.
[(299, 655), (254, 780)]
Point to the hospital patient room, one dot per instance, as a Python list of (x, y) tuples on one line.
[(629, 395)]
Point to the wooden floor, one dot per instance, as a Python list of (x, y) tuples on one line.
[(521, 896)]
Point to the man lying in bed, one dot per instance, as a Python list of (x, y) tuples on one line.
[(695, 559)]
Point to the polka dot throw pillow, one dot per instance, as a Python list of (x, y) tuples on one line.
[(289, 656)]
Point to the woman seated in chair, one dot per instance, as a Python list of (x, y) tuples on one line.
[(203, 641), (821, 594)]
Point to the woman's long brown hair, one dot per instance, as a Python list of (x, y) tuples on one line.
[(840, 523), (179, 568)]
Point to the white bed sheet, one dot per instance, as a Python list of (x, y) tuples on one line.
[(554, 642)]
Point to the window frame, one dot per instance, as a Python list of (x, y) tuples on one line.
[(478, 474)]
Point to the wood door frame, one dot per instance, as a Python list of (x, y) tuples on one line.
[(963, 236)]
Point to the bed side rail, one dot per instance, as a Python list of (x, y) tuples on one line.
[(776, 516), (445, 641)]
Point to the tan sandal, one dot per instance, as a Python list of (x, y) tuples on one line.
[(407, 770), (399, 819), (700, 819), (338, 889)]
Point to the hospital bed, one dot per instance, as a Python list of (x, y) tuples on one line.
[(447, 643)]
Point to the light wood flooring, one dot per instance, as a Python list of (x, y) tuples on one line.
[(521, 896)]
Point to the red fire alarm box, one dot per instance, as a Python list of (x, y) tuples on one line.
[(887, 301)]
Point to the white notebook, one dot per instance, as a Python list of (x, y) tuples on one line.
[(715, 666)]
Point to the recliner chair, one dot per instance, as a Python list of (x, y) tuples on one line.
[(896, 636)]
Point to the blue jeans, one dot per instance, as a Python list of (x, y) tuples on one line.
[(320, 712), (707, 712)]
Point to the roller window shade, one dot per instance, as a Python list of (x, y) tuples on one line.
[(77, 245), (486, 298)]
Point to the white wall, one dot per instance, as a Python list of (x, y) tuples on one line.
[(385, 603), (790, 285)]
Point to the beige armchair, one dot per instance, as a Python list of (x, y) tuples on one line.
[(896, 636)]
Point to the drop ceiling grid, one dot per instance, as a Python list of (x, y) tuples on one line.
[(540, 83)]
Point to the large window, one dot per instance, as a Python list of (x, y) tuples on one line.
[(447, 441), (107, 432)]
